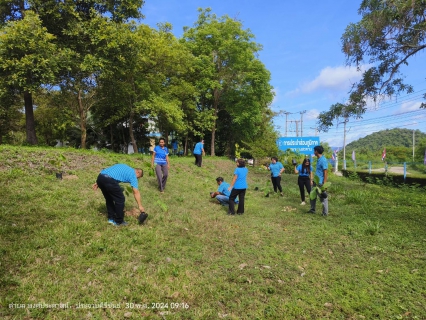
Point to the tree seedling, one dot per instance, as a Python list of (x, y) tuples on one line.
[(319, 190)]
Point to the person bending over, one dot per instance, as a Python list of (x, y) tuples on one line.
[(108, 181)]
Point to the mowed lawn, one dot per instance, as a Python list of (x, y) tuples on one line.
[(60, 259)]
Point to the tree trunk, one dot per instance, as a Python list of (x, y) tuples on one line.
[(131, 133), (82, 121), (216, 95), (29, 118), (186, 145)]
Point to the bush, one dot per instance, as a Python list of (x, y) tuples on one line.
[(384, 178)]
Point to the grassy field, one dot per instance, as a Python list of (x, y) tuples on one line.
[(192, 261)]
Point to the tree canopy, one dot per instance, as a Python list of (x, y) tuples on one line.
[(388, 35), (95, 77)]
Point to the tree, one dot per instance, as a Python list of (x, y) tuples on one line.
[(223, 50), (388, 35), (29, 58), (66, 23), (339, 113)]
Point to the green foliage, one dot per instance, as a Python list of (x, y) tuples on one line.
[(368, 41)]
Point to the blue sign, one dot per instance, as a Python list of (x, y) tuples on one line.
[(303, 145)]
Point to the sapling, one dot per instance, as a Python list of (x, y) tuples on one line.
[(58, 164), (318, 189)]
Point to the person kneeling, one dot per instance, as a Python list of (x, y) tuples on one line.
[(222, 194)]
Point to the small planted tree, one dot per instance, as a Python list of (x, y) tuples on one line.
[(318, 189)]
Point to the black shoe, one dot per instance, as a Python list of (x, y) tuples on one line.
[(231, 214), (142, 217), (240, 213), (311, 211)]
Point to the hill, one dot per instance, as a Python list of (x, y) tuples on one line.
[(386, 138)]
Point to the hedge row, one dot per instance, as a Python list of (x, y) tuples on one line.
[(385, 178)]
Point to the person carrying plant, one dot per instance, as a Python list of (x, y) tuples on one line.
[(306, 175), (276, 169), (108, 181), (321, 175)]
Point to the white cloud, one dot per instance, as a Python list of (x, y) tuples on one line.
[(410, 106), (338, 78)]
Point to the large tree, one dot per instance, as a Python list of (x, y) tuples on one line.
[(389, 34), (67, 21), (29, 58), (224, 51)]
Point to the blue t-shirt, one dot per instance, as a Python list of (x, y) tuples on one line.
[(223, 188), (160, 155), (241, 182), (122, 173), (322, 164), (302, 173), (175, 145), (199, 148), (275, 168)]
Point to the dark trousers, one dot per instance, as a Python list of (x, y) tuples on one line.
[(276, 182), (114, 197), (162, 173), (304, 182), (241, 193), (198, 159)]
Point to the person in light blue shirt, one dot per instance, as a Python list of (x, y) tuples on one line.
[(199, 152), (276, 169), (108, 181), (238, 187), (160, 158), (306, 175), (222, 194), (322, 173)]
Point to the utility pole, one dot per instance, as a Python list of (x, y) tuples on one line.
[(344, 143), (413, 145), (301, 122), (286, 121), (297, 129), (316, 131)]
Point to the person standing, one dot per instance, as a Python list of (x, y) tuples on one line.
[(175, 145), (238, 187), (306, 175), (108, 181), (276, 169), (199, 152), (160, 157), (322, 173), (222, 194)]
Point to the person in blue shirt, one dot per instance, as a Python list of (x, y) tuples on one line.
[(160, 157), (108, 181), (276, 169), (222, 194), (322, 173), (199, 152), (175, 145), (238, 187), (306, 175)]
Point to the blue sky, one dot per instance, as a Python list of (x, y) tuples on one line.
[(301, 49)]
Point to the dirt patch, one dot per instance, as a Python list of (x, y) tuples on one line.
[(70, 177)]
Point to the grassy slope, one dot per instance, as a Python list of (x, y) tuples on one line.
[(366, 260)]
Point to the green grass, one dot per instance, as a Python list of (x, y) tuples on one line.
[(366, 260)]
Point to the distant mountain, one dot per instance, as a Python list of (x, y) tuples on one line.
[(386, 138)]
